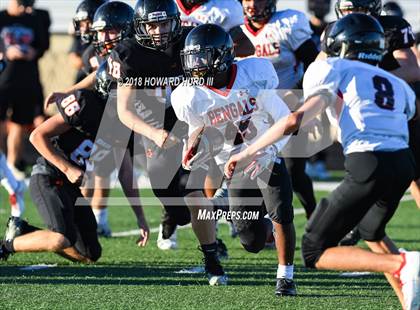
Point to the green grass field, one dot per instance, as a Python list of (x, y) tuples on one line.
[(128, 277)]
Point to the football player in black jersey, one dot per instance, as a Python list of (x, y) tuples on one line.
[(69, 143), (399, 58), (155, 53), (82, 22), (112, 23)]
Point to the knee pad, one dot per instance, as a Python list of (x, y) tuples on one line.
[(253, 236)]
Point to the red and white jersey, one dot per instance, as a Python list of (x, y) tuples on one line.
[(225, 13), (375, 106), (247, 107), (277, 40)]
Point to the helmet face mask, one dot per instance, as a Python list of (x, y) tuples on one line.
[(105, 42), (157, 23), (208, 52), (357, 37), (259, 10), (370, 7)]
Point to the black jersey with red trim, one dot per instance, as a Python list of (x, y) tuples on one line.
[(91, 61), (154, 74), (398, 35)]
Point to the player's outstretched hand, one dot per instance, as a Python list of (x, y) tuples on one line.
[(237, 161), (164, 139), (144, 234), (52, 98)]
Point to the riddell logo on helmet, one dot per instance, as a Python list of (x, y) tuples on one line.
[(157, 16), (370, 56)]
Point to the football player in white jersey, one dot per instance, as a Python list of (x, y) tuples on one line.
[(284, 37), (240, 105), (225, 13), (371, 107)]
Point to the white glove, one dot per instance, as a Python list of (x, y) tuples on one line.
[(261, 161)]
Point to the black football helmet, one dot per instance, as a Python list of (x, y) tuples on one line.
[(192, 3), (263, 13), (208, 51), (113, 15), (152, 11), (357, 37), (85, 12), (392, 8), (372, 7), (26, 3)]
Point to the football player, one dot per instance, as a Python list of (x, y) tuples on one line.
[(226, 13), (284, 37), (82, 22), (69, 143), (233, 105), (111, 23), (399, 59), (371, 108), (154, 53)]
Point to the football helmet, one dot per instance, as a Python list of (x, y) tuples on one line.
[(26, 3), (208, 51), (193, 3), (117, 16), (84, 13), (260, 11), (392, 8), (103, 81), (372, 7), (151, 13), (358, 37)]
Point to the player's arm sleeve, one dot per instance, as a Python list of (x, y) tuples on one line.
[(182, 105), (74, 108), (120, 65), (400, 36), (321, 79), (298, 31)]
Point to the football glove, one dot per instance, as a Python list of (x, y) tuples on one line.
[(263, 160)]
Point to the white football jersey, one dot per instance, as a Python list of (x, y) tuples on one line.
[(249, 105), (277, 40), (225, 13), (375, 105)]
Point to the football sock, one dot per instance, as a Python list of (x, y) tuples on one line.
[(13, 187), (285, 271), (101, 216), (209, 249)]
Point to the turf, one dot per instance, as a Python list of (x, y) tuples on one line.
[(127, 277)]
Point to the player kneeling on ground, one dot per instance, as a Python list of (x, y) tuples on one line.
[(240, 107), (371, 108)]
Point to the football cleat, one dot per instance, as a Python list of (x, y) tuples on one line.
[(15, 227), (352, 238), (4, 253), (409, 276), (214, 269), (166, 244), (103, 230), (285, 287), (222, 251)]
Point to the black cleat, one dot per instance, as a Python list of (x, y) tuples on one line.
[(15, 227), (222, 251), (4, 253), (214, 269), (352, 238), (285, 287)]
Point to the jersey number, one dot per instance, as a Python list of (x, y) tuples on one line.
[(114, 68), (88, 150), (70, 105), (384, 96), (240, 131)]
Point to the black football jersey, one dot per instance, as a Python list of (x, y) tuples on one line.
[(84, 112), (154, 73), (91, 61), (398, 35)]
